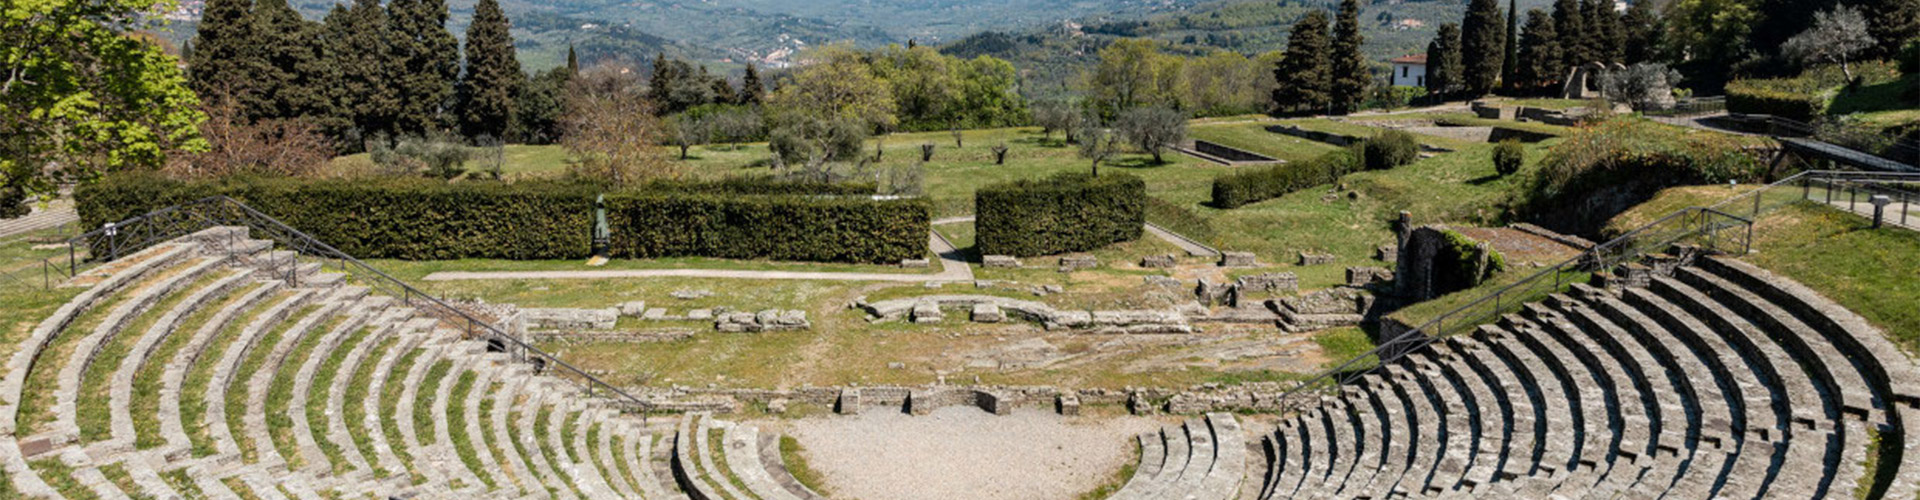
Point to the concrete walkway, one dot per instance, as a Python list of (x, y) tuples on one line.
[(1892, 217), (953, 268), (1193, 248)]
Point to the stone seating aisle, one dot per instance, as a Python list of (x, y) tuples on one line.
[(1718, 381), (216, 367), (1201, 459), (720, 460)]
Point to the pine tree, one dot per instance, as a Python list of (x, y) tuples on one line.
[(1510, 61), (1539, 60), (1444, 69), (224, 61), (429, 64), (493, 74), (1304, 73), (1644, 33), (1569, 23), (294, 75), (365, 94), (573, 61), (1351, 77), (752, 91), (723, 90), (1482, 46)]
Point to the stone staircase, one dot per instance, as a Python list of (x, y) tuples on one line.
[(214, 366), (1713, 379), (714, 459), (1200, 459)]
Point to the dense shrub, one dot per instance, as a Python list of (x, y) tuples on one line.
[(1592, 175), (13, 202), (1069, 212), (416, 219), (1392, 148), (829, 229), (1257, 184), (1459, 261), (1508, 156), (1804, 97)]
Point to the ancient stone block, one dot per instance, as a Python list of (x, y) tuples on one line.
[(1315, 259), (1078, 262), (691, 294), (655, 314), (1165, 281), (1269, 282), (633, 309), (1361, 277), (849, 402), (1238, 259), (1210, 293), (570, 319), (916, 263), (1386, 253), (1069, 403), (988, 313), (700, 314), (999, 261), (927, 312), (1159, 261)]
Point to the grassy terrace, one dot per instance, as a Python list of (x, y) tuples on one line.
[(355, 409), (514, 436), (95, 416), (280, 395), (457, 429), (389, 403), (193, 403), (254, 361), (317, 399), (37, 399), (145, 406)]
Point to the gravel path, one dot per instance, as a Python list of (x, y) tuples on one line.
[(961, 452), (953, 268)]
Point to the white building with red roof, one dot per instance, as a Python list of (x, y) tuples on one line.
[(1410, 70)]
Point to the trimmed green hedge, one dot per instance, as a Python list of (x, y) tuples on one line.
[(1797, 98), (1068, 212), (786, 227), (1264, 183), (417, 219)]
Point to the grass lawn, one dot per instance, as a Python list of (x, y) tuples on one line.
[(1841, 256)]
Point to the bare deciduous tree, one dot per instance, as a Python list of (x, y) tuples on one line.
[(610, 130), (292, 147), (1000, 154)]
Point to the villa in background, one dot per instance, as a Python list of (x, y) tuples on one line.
[(1410, 70)]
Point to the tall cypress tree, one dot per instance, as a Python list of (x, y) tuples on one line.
[(366, 95), (660, 84), (224, 61), (1539, 63), (752, 91), (573, 61), (429, 64), (1351, 76), (1569, 22), (1305, 72), (1444, 71), (493, 74), (1510, 61), (1602, 37), (1482, 46), (1892, 23), (293, 79), (1644, 33)]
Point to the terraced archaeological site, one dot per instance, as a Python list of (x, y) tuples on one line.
[(206, 350)]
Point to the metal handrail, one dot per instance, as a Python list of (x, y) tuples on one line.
[(1593, 259), (147, 232)]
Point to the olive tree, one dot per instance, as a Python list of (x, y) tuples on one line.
[(1836, 36), (1153, 129)]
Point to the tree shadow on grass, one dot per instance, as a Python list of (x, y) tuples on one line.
[(1484, 180), (1135, 163)]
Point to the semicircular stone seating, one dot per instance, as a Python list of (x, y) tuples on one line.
[(1713, 379), (213, 366)]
